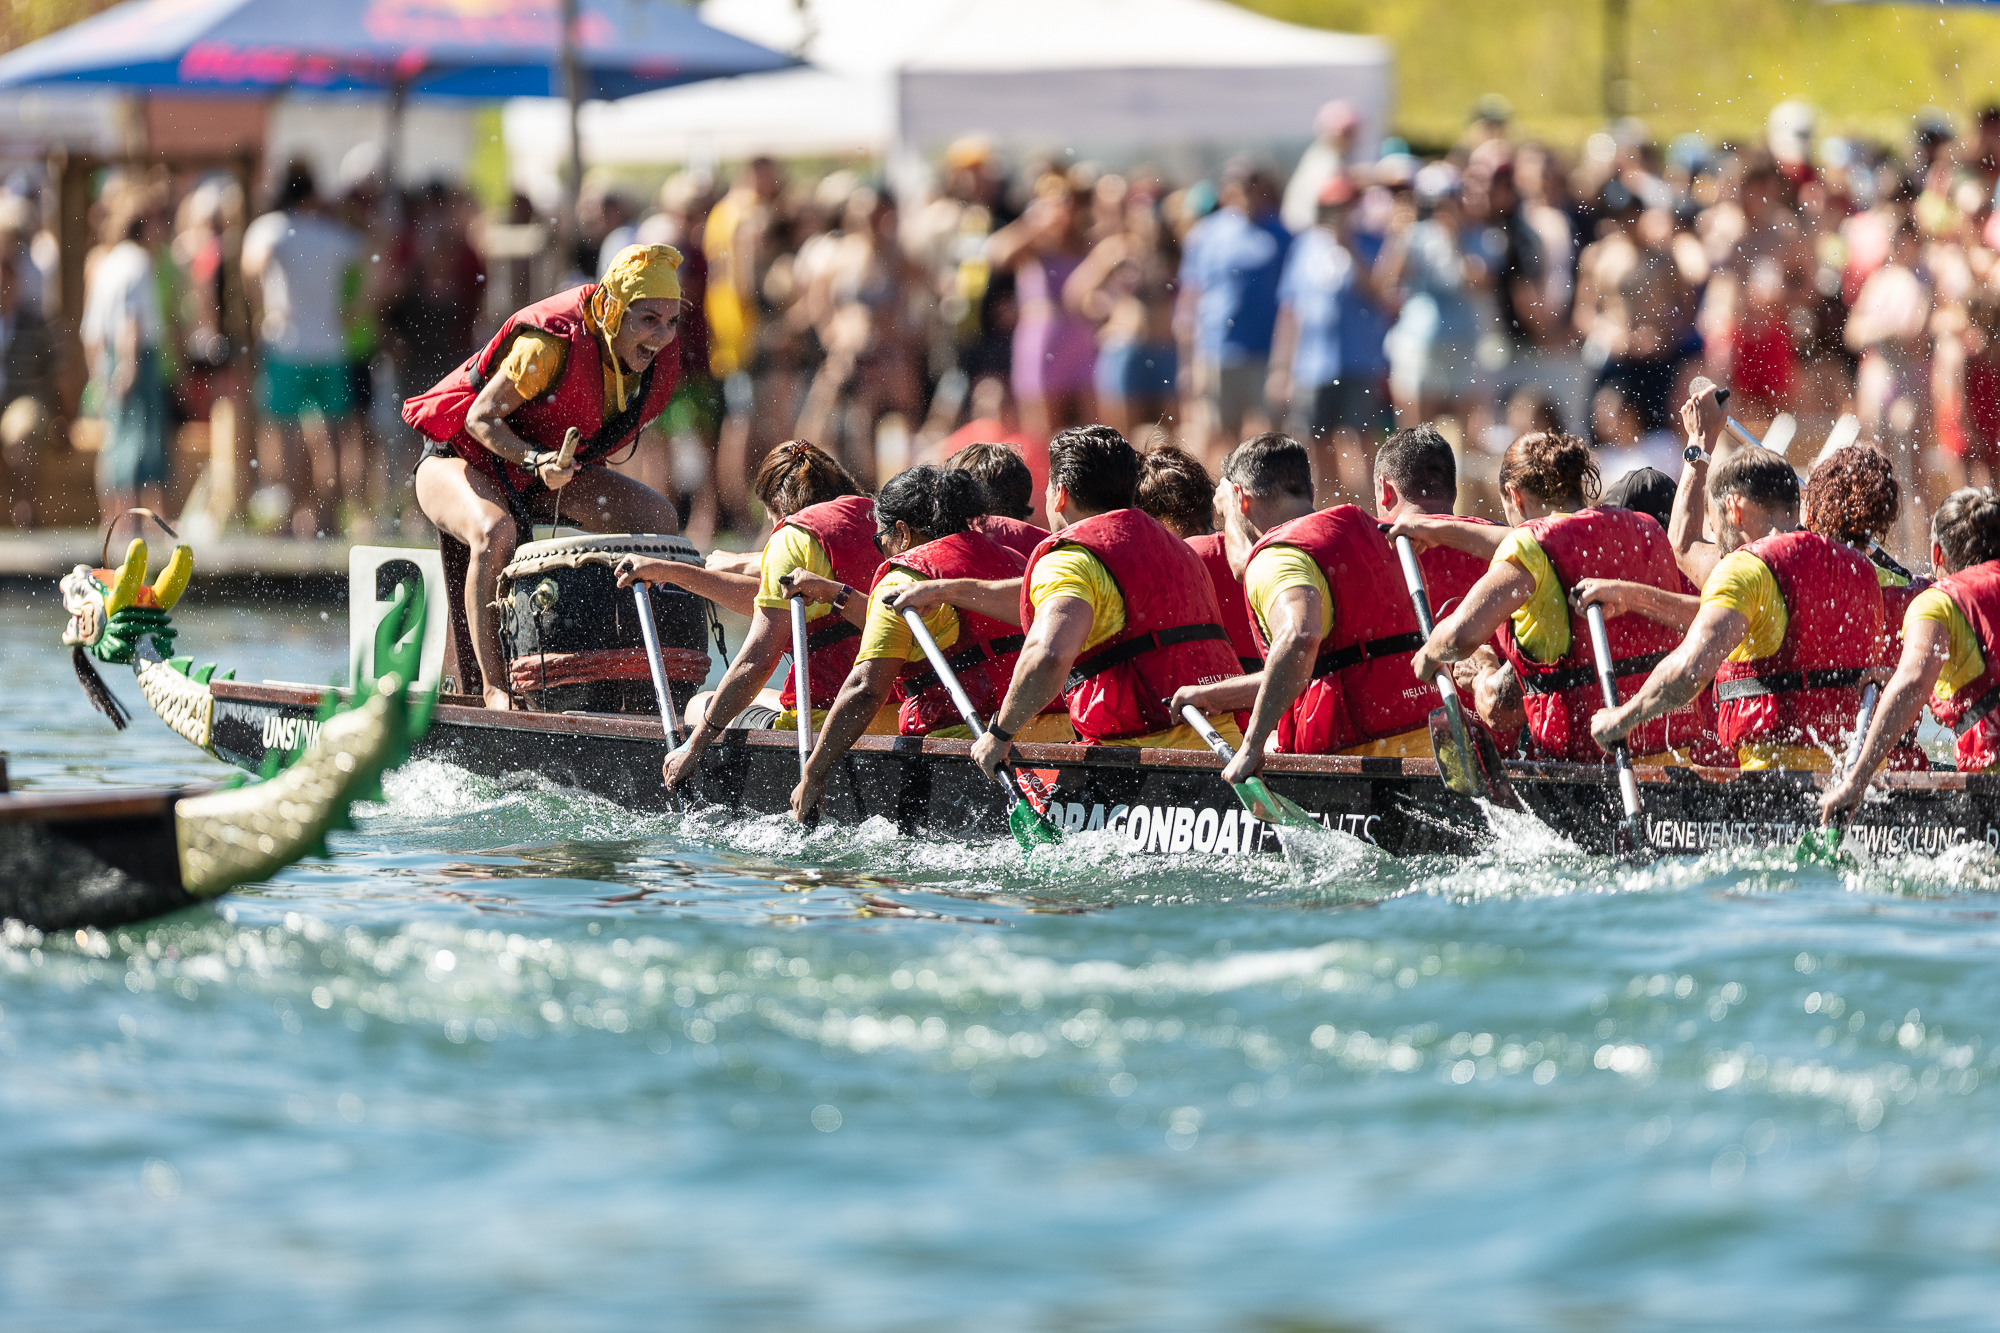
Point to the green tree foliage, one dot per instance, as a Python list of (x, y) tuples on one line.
[(1717, 66)]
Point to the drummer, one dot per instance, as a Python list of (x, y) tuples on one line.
[(587, 359), (794, 476), (1951, 650), (929, 521), (835, 539)]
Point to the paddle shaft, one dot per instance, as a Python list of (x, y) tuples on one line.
[(1600, 647), (802, 683), (1742, 432), (949, 679), (1206, 730), (1420, 598), (1871, 694), (651, 636)]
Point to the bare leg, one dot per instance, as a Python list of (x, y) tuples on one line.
[(471, 507)]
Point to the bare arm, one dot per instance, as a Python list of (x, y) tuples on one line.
[(1054, 642), (1502, 590), (1288, 666), (1702, 419), (1618, 597), (769, 636), (732, 592), (1428, 530), (1678, 679), (486, 422), (823, 591), (1082, 294), (996, 599), (861, 697), (1926, 646), (1238, 694)]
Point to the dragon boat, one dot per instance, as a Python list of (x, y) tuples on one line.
[(1150, 802), (98, 858)]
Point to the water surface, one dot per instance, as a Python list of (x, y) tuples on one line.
[(515, 1058)]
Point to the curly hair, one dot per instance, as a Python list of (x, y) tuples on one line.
[(1553, 467), (1176, 489), (799, 474), (935, 501), (1852, 496)]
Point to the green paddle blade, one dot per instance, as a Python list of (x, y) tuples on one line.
[(1030, 827), (1272, 808), (1821, 845)]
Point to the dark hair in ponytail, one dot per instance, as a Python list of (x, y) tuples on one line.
[(935, 501), (1553, 467)]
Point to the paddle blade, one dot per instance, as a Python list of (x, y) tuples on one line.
[(1822, 845), (1499, 787), (1272, 808), (1779, 437), (1030, 827), (1452, 745)]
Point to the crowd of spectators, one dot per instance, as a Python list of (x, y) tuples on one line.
[(1494, 287)]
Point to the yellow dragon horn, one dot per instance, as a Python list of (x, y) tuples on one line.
[(131, 578), (173, 580)]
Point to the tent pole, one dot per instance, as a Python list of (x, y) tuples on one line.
[(570, 85)]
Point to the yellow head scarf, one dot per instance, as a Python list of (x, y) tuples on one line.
[(639, 273)]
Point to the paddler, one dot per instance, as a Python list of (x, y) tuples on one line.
[(1010, 489), (1951, 650), (1328, 602), (1176, 489), (796, 475), (1788, 626), (587, 359), (1119, 612), (835, 539), (928, 518), (1547, 483)]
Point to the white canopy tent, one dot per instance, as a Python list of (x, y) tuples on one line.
[(904, 77)]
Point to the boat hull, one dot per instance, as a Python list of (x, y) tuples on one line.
[(1156, 801)]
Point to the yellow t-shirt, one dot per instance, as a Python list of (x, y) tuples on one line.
[(791, 547), (1071, 571), (1277, 569), (534, 360), (1744, 584), (732, 322), (887, 634), (1541, 624), (1965, 663)]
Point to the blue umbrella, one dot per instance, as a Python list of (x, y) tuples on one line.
[(450, 48)]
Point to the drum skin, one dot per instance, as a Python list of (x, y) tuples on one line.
[(563, 615)]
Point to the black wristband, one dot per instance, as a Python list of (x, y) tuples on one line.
[(1000, 733)]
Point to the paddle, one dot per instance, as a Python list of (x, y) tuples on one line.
[(651, 636), (1257, 798), (1779, 438), (1631, 833), (801, 683), (1461, 754), (1823, 844), (1030, 827)]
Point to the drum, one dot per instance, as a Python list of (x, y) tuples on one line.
[(571, 634)]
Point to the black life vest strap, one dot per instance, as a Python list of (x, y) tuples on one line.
[(1138, 646), (993, 649), (1251, 665), (1788, 682), (1976, 714), (828, 635), (1354, 654), (1555, 682)]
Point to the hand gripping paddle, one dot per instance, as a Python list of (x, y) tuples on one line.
[(1467, 759), (1030, 827), (1823, 844), (1257, 798)]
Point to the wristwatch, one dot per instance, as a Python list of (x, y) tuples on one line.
[(840, 598), (1000, 733), (1694, 453), (533, 462)]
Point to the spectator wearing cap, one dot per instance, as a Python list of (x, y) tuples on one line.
[(1330, 154), (1433, 346), (1230, 265), (1336, 409)]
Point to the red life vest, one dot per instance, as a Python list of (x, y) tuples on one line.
[(575, 399), (1362, 688), (1969, 712), (1562, 696), (1173, 633), (1449, 574), (1229, 597), (982, 656), (845, 531), (1017, 535), (1807, 692)]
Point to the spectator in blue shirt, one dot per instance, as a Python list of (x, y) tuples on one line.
[(1230, 264), (1326, 355)]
